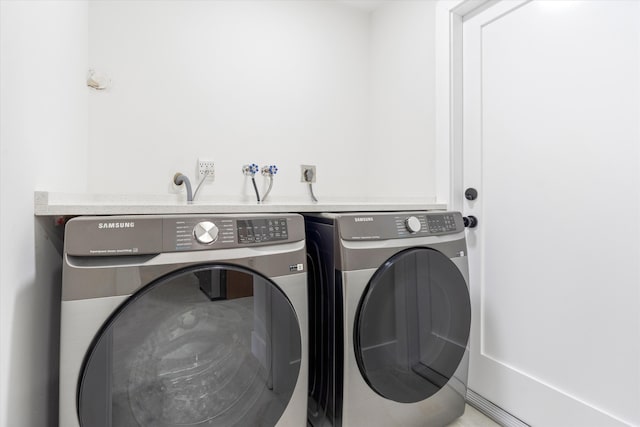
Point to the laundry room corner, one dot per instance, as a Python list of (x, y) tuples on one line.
[(43, 134)]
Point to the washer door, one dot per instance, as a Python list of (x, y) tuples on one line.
[(213, 345), (412, 325)]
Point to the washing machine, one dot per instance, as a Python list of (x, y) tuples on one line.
[(184, 321), (389, 318)]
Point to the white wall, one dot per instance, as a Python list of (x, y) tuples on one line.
[(267, 82), (43, 133), (402, 144), (284, 82)]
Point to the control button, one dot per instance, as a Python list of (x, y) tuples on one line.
[(205, 232), (413, 224)]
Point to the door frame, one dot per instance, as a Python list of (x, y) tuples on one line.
[(450, 16)]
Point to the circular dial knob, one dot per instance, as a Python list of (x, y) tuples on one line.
[(413, 224), (205, 232)]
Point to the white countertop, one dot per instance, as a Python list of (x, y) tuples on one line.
[(65, 204)]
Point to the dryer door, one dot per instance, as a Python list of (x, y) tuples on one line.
[(213, 345), (412, 325)]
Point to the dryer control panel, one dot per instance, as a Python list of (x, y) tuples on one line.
[(398, 225), (153, 234)]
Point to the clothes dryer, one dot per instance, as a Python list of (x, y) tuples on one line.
[(184, 320), (390, 318)]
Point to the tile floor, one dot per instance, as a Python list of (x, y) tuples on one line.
[(473, 418)]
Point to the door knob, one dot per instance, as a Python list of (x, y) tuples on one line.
[(470, 193), (470, 221)]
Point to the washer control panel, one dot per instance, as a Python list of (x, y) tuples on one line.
[(262, 230), (134, 235), (188, 233), (397, 225), (214, 232)]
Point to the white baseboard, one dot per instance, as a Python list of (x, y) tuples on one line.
[(492, 411)]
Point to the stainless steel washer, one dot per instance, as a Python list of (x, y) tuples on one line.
[(184, 320), (390, 317)]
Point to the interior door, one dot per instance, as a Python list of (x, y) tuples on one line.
[(213, 345), (551, 143)]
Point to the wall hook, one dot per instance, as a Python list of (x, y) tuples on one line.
[(97, 82)]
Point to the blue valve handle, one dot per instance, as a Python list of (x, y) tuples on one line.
[(269, 170), (250, 169)]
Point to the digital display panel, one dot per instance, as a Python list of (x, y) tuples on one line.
[(262, 230), (441, 223)]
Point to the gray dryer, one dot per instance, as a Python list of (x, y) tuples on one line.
[(390, 318)]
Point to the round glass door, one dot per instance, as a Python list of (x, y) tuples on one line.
[(412, 325), (213, 345)]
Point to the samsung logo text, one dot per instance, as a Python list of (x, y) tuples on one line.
[(113, 225), (363, 219)]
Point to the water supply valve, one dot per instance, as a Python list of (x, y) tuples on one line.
[(250, 169), (269, 170)]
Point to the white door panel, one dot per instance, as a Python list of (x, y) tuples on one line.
[(551, 142)]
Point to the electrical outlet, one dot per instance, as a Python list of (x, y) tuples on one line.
[(308, 174), (205, 168)]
